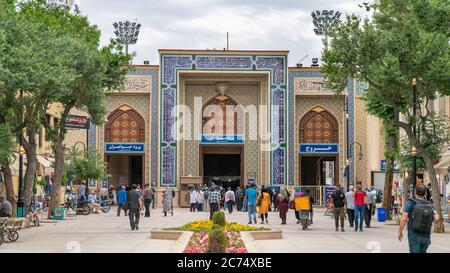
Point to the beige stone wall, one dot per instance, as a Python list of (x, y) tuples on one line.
[(140, 103), (335, 105)]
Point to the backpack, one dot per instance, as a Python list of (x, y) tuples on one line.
[(206, 195), (422, 216), (379, 197)]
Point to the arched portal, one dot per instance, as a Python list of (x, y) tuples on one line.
[(125, 146), (222, 145), (319, 133)]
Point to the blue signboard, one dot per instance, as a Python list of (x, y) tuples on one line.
[(383, 164), (222, 139), (319, 148), (124, 147)]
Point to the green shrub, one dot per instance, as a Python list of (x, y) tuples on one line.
[(217, 240), (219, 218)]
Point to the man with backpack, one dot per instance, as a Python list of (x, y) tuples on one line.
[(418, 214)]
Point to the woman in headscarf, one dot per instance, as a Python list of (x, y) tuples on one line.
[(283, 204), (167, 201), (264, 199), (298, 194)]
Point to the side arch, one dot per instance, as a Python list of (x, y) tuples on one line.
[(318, 125)]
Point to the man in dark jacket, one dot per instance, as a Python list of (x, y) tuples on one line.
[(134, 203), (239, 198)]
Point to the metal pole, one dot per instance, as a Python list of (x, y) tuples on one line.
[(228, 42), (414, 157), (21, 201)]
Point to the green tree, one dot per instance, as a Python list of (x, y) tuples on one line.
[(405, 40), (92, 72), (87, 165)]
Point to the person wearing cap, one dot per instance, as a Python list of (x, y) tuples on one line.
[(92, 199), (5, 207)]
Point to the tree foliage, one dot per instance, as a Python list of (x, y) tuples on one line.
[(404, 40), (85, 166)]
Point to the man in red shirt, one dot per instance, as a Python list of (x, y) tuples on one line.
[(360, 201)]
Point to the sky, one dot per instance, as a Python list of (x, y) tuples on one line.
[(203, 24)]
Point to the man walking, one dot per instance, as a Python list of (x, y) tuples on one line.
[(121, 201), (418, 214), (147, 196), (338, 202), (214, 201), (350, 202), (250, 199), (230, 198), (371, 203), (193, 199), (360, 197), (134, 207), (239, 198)]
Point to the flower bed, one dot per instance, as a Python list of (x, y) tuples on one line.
[(199, 243), (206, 225)]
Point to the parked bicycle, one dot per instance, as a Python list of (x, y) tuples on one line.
[(105, 205), (9, 233)]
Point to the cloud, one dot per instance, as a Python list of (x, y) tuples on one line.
[(201, 24)]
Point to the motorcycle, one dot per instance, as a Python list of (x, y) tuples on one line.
[(305, 220), (77, 204)]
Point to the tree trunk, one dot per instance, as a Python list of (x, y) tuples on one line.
[(439, 225), (57, 178), (389, 178), (30, 173), (9, 186)]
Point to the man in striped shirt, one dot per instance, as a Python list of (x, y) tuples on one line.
[(214, 201)]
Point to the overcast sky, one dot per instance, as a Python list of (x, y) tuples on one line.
[(202, 24)]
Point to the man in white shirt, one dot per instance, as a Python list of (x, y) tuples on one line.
[(193, 199), (350, 206), (230, 198)]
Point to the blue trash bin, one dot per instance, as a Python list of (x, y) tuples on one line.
[(381, 214)]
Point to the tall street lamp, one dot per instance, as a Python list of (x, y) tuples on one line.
[(360, 155), (412, 183), (127, 33), (322, 21), (21, 201)]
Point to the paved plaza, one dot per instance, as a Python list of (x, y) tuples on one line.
[(109, 233)]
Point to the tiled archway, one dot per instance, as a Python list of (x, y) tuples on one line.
[(125, 125), (319, 126)]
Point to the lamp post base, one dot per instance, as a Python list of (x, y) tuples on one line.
[(20, 209)]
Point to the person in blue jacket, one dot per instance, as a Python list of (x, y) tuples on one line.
[(121, 201)]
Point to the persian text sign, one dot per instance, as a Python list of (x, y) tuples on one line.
[(222, 139), (77, 122), (124, 147), (319, 148)]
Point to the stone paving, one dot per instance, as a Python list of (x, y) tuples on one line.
[(109, 233)]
